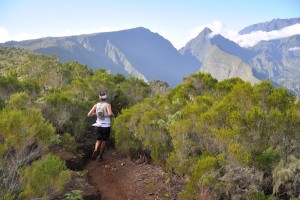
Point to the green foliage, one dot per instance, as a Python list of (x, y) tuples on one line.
[(101, 81), (202, 176), (251, 126), (256, 196), (154, 137), (226, 85), (68, 142), (2, 104), (20, 101), (241, 96), (7, 195), (286, 175), (257, 127), (182, 93), (73, 70), (184, 145), (266, 159), (41, 97), (74, 195), (284, 137), (201, 81), (31, 87), (262, 91), (44, 178), (186, 128), (125, 133), (38, 71), (119, 78), (20, 128), (239, 153), (281, 98), (134, 90), (193, 86), (58, 110), (24, 136), (9, 84)]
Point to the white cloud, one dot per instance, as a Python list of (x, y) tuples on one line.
[(4, 34), (216, 26), (179, 42), (253, 38), (246, 40), (294, 49)]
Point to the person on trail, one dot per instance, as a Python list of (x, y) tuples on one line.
[(103, 112)]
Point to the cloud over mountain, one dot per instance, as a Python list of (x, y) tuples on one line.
[(294, 49), (247, 40), (251, 39)]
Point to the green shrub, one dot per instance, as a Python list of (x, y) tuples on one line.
[(286, 174), (266, 159), (6, 195), (44, 178), (68, 142), (202, 176), (19, 101), (2, 103), (125, 134), (74, 195), (256, 196), (21, 128)]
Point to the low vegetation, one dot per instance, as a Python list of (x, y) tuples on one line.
[(229, 139)]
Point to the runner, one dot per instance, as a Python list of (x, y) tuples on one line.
[(102, 126)]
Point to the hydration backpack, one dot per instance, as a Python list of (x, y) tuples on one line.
[(100, 111)]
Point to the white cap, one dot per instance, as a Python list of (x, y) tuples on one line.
[(103, 96)]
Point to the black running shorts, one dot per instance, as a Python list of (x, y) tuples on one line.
[(102, 133)]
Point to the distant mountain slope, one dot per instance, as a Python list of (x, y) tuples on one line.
[(275, 24), (220, 57), (279, 61), (232, 48), (275, 60), (137, 52), (141, 53), (199, 46), (222, 65)]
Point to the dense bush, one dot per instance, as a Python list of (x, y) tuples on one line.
[(44, 179), (222, 136), (24, 137), (44, 102), (229, 139)]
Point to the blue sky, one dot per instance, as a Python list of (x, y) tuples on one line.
[(176, 20)]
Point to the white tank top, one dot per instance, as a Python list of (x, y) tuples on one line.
[(102, 122)]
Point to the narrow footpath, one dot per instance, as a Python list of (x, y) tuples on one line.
[(119, 178)]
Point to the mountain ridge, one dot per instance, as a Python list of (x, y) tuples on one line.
[(141, 53), (274, 24), (145, 54)]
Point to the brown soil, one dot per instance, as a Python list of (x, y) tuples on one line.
[(119, 178)]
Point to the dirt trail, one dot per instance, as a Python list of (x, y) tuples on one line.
[(119, 178)]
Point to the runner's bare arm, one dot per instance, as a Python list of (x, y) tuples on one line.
[(92, 112), (109, 112)]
